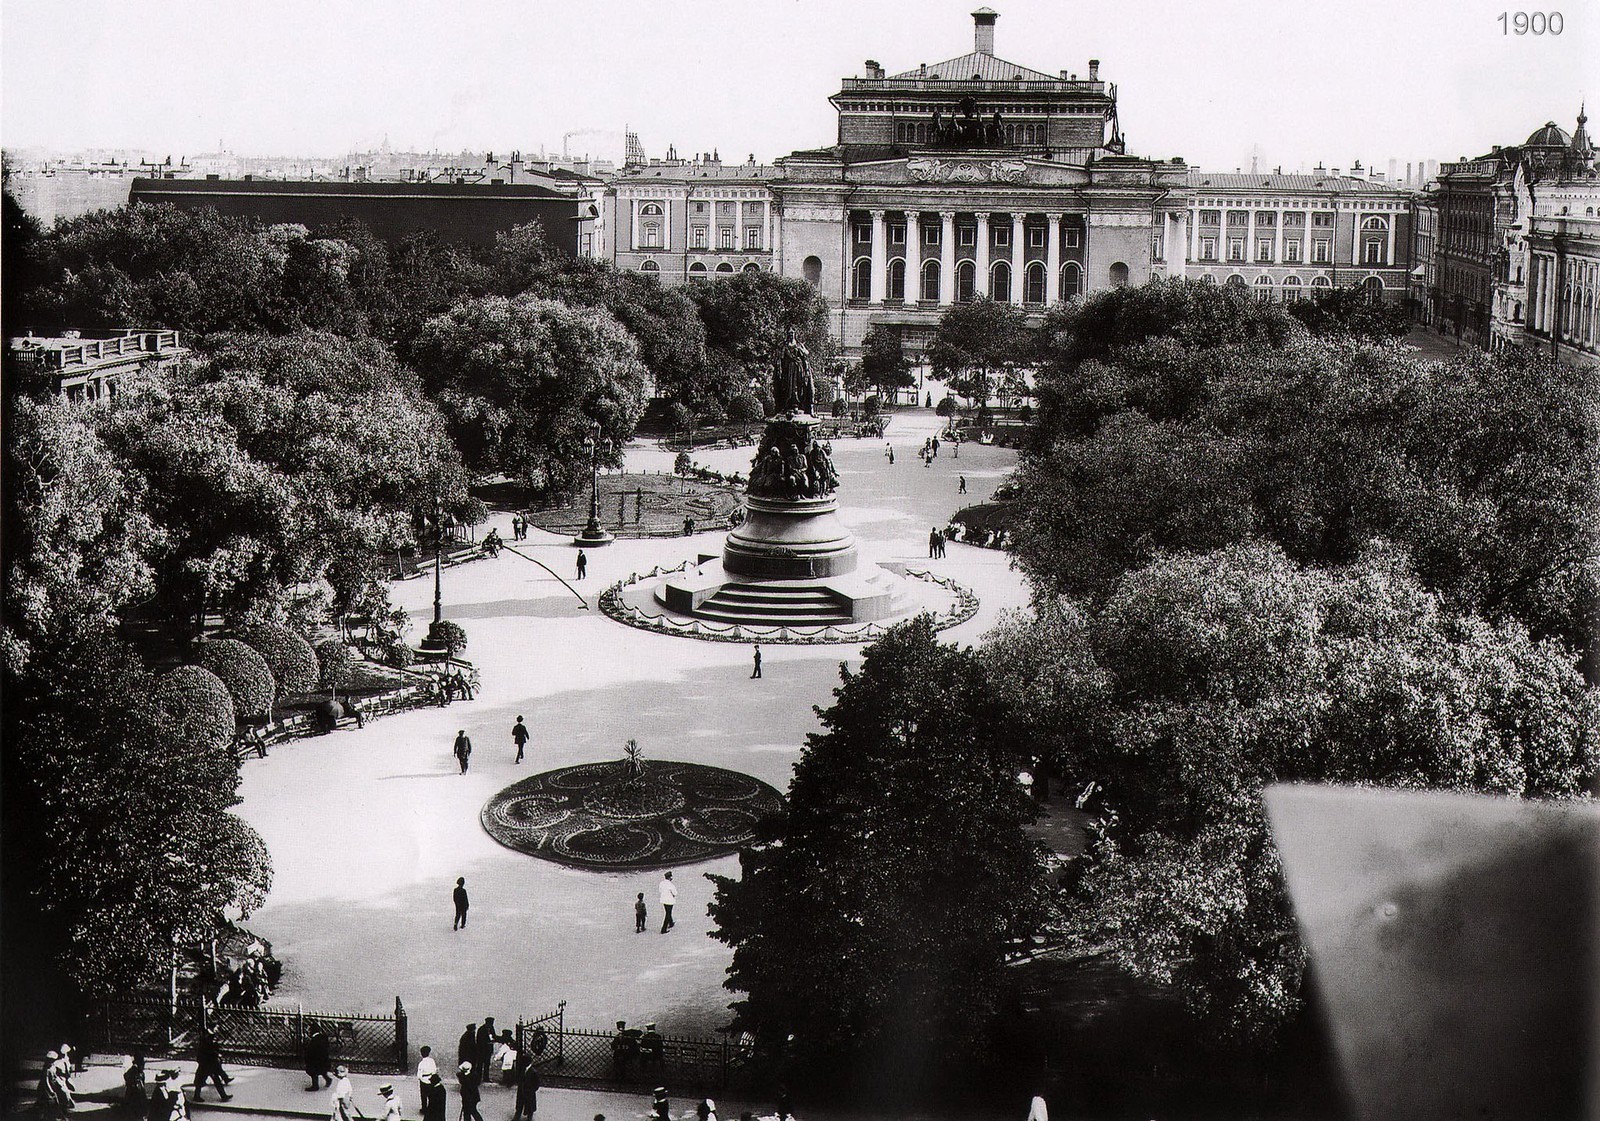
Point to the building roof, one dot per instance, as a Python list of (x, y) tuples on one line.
[(979, 67), (1237, 181), (1548, 136)]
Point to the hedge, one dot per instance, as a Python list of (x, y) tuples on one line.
[(199, 702), (334, 664), (290, 657), (244, 673)]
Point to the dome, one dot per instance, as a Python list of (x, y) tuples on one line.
[(1548, 136)]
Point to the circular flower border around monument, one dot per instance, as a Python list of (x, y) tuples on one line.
[(613, 606), (591, 815)]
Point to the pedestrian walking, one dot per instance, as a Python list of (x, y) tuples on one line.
[(427, 1072), (344, 1097), (483, 1064), (463, 749), (669, 897), (583, 564), (159, 1107), (933, 543), (962, 489), (459, 896), (433, 1102), (468, 1044), (756, 672), (318, 1059), (528, 1083), (135, 1094), (519, 736), (891, 457), (391, 1104), (639, 914), (467, 1087), (936, 447), (208, 1064), (55, 1086), (660, 1106), (955, 447)]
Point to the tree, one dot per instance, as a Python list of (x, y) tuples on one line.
[(1350, 311), (526, 382), (244, 672), (1205, 677), (289, 656), (974, 342), (748, 317), (907, 804), (453, 636), (884, 365), (199, 704), (334, 664)]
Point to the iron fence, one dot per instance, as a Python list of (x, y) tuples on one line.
[(582, 1056), (273, 1034)]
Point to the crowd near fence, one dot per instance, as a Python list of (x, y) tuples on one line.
[(579, 1057)]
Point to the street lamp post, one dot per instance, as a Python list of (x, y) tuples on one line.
[(593, 535), (434, 641)]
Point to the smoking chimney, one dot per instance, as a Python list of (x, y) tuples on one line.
[(983, 30)]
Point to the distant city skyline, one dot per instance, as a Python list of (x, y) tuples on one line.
[(315, 79)]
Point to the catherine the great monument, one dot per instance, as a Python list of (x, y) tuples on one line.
[(791, 562)]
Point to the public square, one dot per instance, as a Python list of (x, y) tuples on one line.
[(369, 829)]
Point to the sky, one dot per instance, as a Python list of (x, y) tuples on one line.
[(1292, 82)]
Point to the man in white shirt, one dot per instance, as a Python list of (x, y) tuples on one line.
[(669, 896), (391, 1104), (427, 1070), (344, 1096)]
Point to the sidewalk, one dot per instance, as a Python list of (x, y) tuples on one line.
[(271, 1092)]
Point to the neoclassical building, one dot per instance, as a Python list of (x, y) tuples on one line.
[(973, 177)]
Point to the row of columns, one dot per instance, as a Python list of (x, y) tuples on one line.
[(947, 254)]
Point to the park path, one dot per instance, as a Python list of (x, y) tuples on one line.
[(369, 828)]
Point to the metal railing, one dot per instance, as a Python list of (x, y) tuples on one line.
[(273, 1034), (582, 1056)]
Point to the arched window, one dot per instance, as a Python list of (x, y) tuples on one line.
[(725, 269), (966, 281), (1119, 275), (861, 279), (649, 266), (811, 269), (1208, 279), (697, 271), (1000, 281), (1375, 223), (1034, 291), (1236, 281), (1321, 282), (752, 267), (1071, 280), (1373, 287), (650, 210), (930, 281), (1264, 288), (1291, 289), (897, 279)]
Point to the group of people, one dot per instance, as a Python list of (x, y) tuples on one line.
[(936, 543), (246, 982), (484, 1054), (519, 527)]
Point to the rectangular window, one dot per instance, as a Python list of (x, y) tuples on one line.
[(1074, 237), (1211, 217), (930, 235), (1238, 217), (1264, 251), (1322, 218), (698, 237), (897, 235), (1319, 251), (968, 235), (1291, 251), (1002, 236), (1157, 248), (1236, 249), (863, 234), (1295, 218), (1208, 249), (1036, 237), (1267, 218), (1374, 252), (727, 237), (752, 238)]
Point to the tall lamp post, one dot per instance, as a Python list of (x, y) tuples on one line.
[(593, 536), (434, 641)]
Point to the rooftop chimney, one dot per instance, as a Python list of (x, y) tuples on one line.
[(983, 30), (1094, 69)]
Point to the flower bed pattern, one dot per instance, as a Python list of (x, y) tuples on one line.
[(595, 816)]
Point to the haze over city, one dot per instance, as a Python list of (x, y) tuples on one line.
[(1292, 85)]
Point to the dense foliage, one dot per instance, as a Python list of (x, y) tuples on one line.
[(198, 703), (872, 925), (244, 673), (976, 343), (288, 655)]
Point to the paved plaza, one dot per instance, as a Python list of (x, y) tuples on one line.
[(369, 829)]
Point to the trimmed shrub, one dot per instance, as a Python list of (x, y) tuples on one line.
[(453, 635), (871, 406), (243, 858), (396, 654), (244, 673), (199, 703), (746, 409), (290, 657), (333, 663), (947, 407)]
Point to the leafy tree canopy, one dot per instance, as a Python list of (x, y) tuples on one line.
[(976, 341)]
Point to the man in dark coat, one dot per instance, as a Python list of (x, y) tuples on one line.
[(318, 1059), (467, 1049), (467, 1081), (481, 1062), (527, 1088), (460, 897), (463, 749), (208, 1064)]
